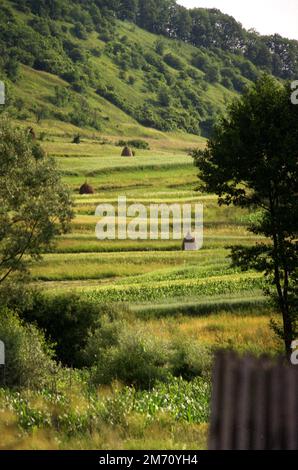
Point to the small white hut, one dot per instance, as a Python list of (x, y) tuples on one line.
[(189, 243)]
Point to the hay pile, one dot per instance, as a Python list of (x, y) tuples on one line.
[(86, 189), (127, 152)]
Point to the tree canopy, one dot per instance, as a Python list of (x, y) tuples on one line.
[(34, 204), (209, 28), (252, 161)]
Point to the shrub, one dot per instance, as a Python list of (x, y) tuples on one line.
[(201, 61), (136, 143), (239, 83), (28, 357), (79, 31), (212, 73), (131, 80), (67, 320), (76, 139), (139, 144), (160, 47), (227, 83), (174, 61), (190, 360), (119, 351), (164, 97)]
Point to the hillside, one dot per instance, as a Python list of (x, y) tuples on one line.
[(74, 67)]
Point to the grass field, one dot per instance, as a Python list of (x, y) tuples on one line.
[(150, 275), (152, 271), (193, 298)]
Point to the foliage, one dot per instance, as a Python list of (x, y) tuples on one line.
[(135, 143), (251, 161), (29, 360), (58, 33), (35, 205), (67, 320), (124, 352), (173, 61)]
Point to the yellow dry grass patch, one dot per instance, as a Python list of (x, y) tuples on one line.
[(244, 333)]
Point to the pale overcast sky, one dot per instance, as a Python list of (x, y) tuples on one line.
[(266, 16)]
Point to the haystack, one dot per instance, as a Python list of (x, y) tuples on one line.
[(86, 189), (127, 152)]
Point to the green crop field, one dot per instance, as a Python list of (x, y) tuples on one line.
[(152, 276)]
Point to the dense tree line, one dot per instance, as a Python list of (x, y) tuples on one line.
[(212, 29), (46, 39), (201, 27)]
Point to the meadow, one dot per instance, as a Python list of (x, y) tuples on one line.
[(192, 299)]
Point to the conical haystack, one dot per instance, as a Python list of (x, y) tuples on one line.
[(86, 189), (127, 152)]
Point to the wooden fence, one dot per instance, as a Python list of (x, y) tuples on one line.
[(254, 404)]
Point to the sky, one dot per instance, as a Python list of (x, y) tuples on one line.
[(266, 16)]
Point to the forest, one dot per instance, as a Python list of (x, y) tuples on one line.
[(199, 27)]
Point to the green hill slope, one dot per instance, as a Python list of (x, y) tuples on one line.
[(71, 66), (117, 80)]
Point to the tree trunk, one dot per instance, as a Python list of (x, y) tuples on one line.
[(283, 304)]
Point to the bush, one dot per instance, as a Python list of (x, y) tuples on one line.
[(67, 320), (76, 139), (164, 97), (119, 351), (174, 61), (136, 143), (122, 350), (227, 83), (28, 357), (239, 83), (212, 74), (79, 31), (201, 61), (160, 47), (190, 360)]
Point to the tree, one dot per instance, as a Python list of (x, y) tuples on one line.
[(34, 204), (160, 47), (251, 161), (128, 10), (212, 73), (182, 23), (164, 97)]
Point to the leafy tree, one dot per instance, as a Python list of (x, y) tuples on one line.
[(251, 161), (160, 47), (173, 61), (181, 23), (212, 74), (164, 97), (34, 205), (128, 10)]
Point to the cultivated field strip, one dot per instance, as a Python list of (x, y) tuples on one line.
[(149, 275)]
